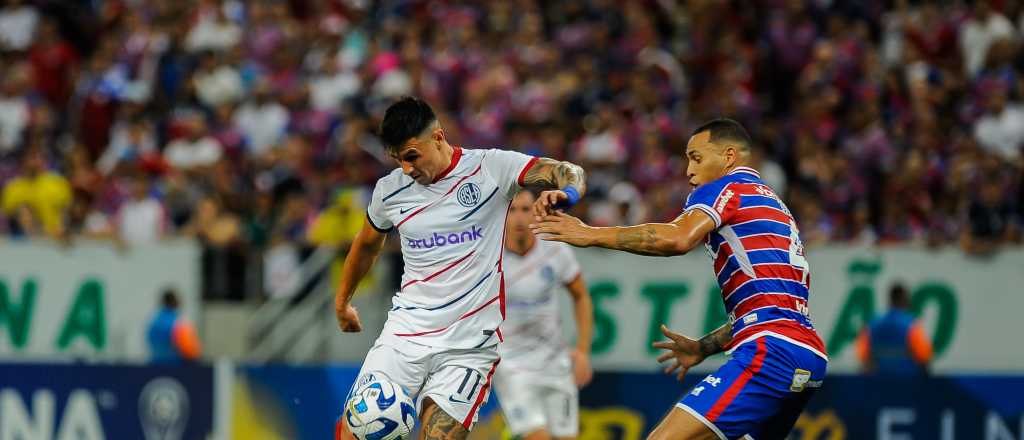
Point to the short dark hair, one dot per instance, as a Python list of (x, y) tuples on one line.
[(169, 298), (725, 129), (404, 120), (899, 297)]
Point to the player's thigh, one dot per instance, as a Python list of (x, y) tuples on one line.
[(404, 369), (438, 425), (518, 399), (561, 410), (780, 425), (680, 424), (459, 382)]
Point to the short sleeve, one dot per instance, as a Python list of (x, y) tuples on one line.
[(716, 199), (508, 168), (568, 267), (375, 212)]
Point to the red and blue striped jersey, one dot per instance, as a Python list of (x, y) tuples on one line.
[(758, 260)]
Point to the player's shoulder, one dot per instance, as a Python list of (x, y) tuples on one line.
[(392, 181)]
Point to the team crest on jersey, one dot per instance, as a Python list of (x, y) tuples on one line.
[(469, 194)]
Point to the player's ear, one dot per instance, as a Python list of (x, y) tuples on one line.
[(731, 155), (437, 135)]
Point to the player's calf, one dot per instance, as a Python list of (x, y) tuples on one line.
[(438, 425)]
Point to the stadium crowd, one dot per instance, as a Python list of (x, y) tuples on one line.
[(251, 125)]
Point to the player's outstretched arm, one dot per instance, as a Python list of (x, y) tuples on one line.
[(652, 239), (583, 309), (364, 251), (565, 180)]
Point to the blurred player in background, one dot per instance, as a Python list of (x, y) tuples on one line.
[(777, 357), (448, 206), (171, 337), (537, 382), (895, 343)]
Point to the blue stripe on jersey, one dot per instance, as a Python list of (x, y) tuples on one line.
[(752, 200), (397, 191), (769, 314), (481, 205), (761, 227), (752, 287), (459, 298), (758, 256)]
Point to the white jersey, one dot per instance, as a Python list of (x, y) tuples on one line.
[(532, 330), (452, 234)]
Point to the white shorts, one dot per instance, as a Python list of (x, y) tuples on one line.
[(532, 402), (458, 381)]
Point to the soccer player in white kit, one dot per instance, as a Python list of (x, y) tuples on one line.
[(448, 206), (538, 379)]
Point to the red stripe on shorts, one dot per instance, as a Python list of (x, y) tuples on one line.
[(741, 381), (480, 397)]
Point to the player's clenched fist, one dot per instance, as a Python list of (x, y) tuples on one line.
[(348, 319)]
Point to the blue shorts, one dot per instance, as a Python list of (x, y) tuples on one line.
[(761, 391)]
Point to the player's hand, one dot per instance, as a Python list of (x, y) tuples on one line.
[(562, 227), (348, 319), (581, 369), (685, 351), (546, 202)]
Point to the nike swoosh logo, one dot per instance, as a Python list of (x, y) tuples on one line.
[(403, 211), (457, 401)]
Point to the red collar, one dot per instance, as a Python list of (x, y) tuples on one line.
[(456, 155)]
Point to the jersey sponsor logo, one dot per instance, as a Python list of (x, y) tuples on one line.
[(440, 240), (468, 194), (720, 207), (714, 381), (750, 318), (800, 379)]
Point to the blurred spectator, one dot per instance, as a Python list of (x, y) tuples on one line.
[(338, 224), (171, 337), (895, 343), (985, 27), (990, 222), (196, 150), (37, 200), (213, 30), (262, 121), (141, 219), (217, 82), (18, 22), (54, 62), (131, 143), (1000, 130), (15, 106)]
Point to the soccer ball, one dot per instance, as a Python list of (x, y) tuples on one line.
[(379, 410)]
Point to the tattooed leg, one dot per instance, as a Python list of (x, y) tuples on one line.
[(438, 425)]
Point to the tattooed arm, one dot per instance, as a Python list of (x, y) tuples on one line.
[(560, 179), (715, 342), (653, 239), (554, 174)]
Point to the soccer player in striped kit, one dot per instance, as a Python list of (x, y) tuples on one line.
[(448, 206), (778, 359)]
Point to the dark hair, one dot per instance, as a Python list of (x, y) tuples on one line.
[(899, 297), (725, 129), (404, 120), (169, 299)]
